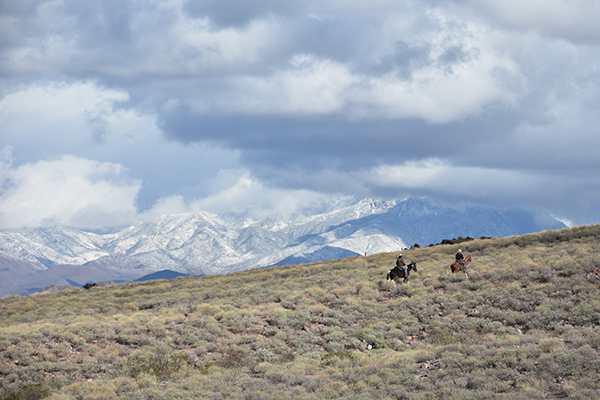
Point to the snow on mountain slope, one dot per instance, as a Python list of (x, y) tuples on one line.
[(204, 243), (45, 247)]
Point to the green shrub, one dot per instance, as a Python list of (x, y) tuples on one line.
[(30, 391), (161, 362), (329, 358), (586, 313), (236, 357), (523, 326)]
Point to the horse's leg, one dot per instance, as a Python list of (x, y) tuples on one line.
[(455, 268)]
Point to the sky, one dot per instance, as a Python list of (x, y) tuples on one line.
[(115, 111)]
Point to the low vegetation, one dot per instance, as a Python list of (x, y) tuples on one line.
[(524, 326)]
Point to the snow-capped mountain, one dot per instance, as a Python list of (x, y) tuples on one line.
[(204, 243)]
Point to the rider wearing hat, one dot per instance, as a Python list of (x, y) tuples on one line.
[(400, 263), (461, 259)]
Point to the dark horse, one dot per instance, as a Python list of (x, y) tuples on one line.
[(397, 272), (457, 266)]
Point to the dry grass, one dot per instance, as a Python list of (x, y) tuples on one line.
[(524, 326)]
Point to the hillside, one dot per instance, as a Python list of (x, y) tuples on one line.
[(524, 326), (200, 243)]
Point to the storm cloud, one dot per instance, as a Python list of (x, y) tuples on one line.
[(203, 105)]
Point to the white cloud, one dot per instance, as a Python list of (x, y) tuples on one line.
[(60, 100), (50, 119), (558, 193), (241, 193), (469, 182), (570, 19), (316, 86), (166, 42), (61, 111), (174, 204), (70, 191), (310, 86), (465, 69), (218, 48), (433, 96), (514, 81), (161, 40), (88, 194), (250, 194)]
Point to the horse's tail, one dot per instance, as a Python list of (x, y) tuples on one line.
[(448, 268), (388, 274)]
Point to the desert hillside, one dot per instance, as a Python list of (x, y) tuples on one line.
[(525, 325)]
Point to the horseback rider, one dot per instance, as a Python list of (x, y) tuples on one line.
[(461, 259), (400, 263)]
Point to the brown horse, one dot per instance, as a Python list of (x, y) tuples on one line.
[(457, 266)]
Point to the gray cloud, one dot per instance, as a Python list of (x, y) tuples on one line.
[(499, 97), (571, 20), (227, 13)]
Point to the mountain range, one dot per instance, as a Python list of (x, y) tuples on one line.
[(202, 243)]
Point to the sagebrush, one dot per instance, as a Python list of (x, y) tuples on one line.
[(524, 326)]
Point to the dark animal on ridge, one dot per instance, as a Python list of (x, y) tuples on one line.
[(397, 272)]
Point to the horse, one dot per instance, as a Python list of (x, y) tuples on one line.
[(457, 266), (397, 272)]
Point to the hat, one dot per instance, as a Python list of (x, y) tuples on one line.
[(400, 255), (459, 250)]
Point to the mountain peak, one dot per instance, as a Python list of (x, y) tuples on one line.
[(203, 243)]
